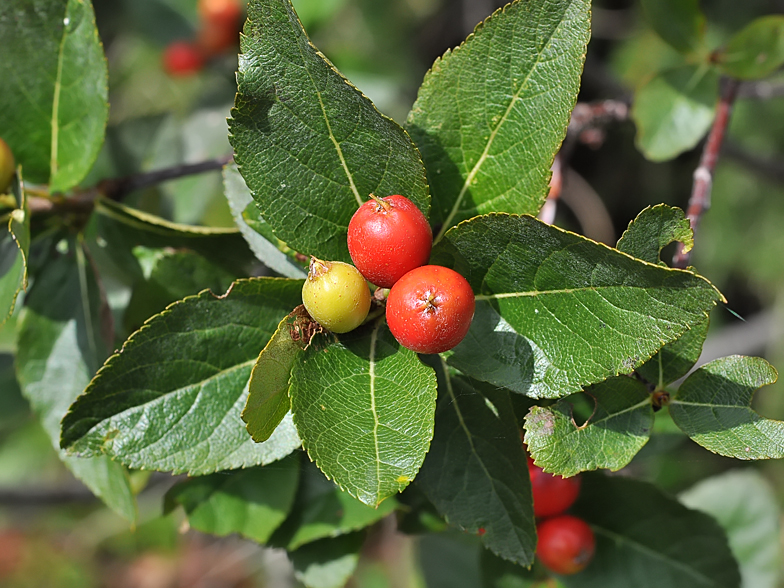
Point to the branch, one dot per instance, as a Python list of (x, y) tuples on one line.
[(586, 126), (15, 497), (117, 188), (699, 202)]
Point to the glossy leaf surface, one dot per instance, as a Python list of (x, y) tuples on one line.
[(252, 502), (492, 113), (239, 198), (64, 335), (674, 110), (653, 229), (171, 398), (268, 396), (364, 409), (321, 510), (713, 407), (310, 146), (618, 428), (53, 108), (646, 539), (563, 311), (476, 474)]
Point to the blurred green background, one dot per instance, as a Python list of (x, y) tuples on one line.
[(53, 534)]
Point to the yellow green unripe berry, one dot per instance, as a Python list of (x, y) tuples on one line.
[(336, 295), (7, 166)]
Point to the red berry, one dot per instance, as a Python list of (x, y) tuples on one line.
[(387, 238), (552, 494), (223, 12), (214, 39), (182, 58), (429, 310), (566, 544)]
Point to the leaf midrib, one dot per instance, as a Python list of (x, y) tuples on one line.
[(55, 121), (644, 549), (332, 137), (477, 166), (468, 435)]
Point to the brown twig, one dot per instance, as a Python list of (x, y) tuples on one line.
[(117, 188), (699, 202), (586, 126)]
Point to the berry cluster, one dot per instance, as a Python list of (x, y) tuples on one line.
[(566, 543), (428, 309), (219, 26)]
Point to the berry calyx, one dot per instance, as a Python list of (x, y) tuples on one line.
[(566, 544), (429, 310), (553, 495), (182, 58), (387, 238), (336, 295), (7, 166)]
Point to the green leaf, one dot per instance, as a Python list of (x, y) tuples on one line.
[(252, 502), (53, 107), (310, 146), (321, 510), (756, 51), (586, 312), (364, 409), (170, 275), (239, 198), (476, 474), (492, 113), (121, 228), (618, 428), (653, 229), (14, 251), (171, 398), (679, 22), (674, 360), (327, 563), (450, 560), (674, 110), (713, 407), (744, 504), (268, 397), (646, 539), (499, 573), (64, 335)]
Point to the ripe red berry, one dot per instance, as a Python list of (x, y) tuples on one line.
[(387, 238), (222, 12), (566, 544), (552, 494), (182, 58), (429, 310)]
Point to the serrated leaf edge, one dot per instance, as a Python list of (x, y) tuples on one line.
[(131, 342), (334, 69), (445, 59)]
